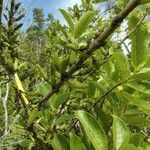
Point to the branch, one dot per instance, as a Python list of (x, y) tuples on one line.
[(97, 43), (102, 98), (4, 100), (1, 10), (134, 29), (123, 40)]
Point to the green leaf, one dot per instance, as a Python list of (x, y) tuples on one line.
[(93, 130), (139, 44), (58, 99), (19, 17), (139, 102), (32, 116), (141, 87), (91, 89), (83, 23), (41, 72), (121, 133), (121, 65), (146, 146), (62, 119), (129, 147), (136, 139), (64, 62), (68, 18), (133, 116), (98, 1), (60, 142), (144, 74), (43, 88), (75, 142), (144, 1)]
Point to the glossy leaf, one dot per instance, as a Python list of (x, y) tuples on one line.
[(60, 142), (121, 133), (75, 142), (93, 130)]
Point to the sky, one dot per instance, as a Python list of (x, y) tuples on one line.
[(48, 6)]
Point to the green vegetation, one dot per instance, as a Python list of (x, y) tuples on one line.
[(84, 85)]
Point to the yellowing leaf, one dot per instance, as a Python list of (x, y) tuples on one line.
[(20, 88)]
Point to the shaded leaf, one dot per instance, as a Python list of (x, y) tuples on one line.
[(60, 142), (59, 99), (62, 119), (91, 89), (136, 139), (143, 88), (75, 142), (139, 102)]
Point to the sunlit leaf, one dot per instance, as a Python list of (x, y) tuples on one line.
[(83, 23), (121, 65), (93, 130), (121, 133), (68, 18), (139, 44)]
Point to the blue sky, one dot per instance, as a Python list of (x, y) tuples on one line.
[(47, 6)]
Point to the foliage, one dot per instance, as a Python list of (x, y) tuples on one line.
[(74, 86)]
